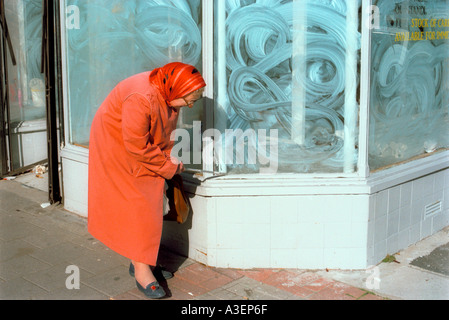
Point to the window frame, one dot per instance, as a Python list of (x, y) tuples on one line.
[(362, 169)]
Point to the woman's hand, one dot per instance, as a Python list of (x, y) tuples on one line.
[(180, 168)]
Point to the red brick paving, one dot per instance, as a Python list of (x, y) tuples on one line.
[(338, 291), (286, 279), (318, 284), (231, 273), (308, 285), (178, 294), (196, 279), (258, 274)]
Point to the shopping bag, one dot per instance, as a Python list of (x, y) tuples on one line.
[(178, 201)]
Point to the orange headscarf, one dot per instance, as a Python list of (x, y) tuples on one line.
[(176, 80)]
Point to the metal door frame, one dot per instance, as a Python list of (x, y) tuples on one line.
[(50, 63), (5, 131)]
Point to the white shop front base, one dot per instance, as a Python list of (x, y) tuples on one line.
[(291, 221)]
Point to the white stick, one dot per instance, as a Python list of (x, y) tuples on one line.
[(351, 110), (299, 69)]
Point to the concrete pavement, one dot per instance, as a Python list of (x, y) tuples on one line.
[(46, 253)]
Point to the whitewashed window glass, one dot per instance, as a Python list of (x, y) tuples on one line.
[(110, 40), (409, 100), (26, 81), (287, 72)]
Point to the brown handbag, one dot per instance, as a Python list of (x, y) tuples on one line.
[(177, 199)]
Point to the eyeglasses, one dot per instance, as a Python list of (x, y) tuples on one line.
[(191, 103)]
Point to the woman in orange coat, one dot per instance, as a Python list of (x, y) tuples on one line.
[(129, 160)]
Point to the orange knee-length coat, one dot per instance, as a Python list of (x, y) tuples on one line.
[(129, 160)]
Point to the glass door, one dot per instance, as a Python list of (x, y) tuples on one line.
[(24, 134)]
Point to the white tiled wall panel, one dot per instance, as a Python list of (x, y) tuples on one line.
[(287, 232), (75, 186), (310, 231), (397, 217)]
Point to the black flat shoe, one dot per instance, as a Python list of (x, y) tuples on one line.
[(153, 290), (159, 273)]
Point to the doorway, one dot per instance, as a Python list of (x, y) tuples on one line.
[(29, 119)]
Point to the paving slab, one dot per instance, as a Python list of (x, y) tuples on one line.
[(437, 261)]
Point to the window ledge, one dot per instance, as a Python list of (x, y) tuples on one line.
[(307, 184), (75, 153)]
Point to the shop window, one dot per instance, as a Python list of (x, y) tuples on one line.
[(27, 83), (286, 86), (24, 112), (110, 40), (286, 78), (409, 81)]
